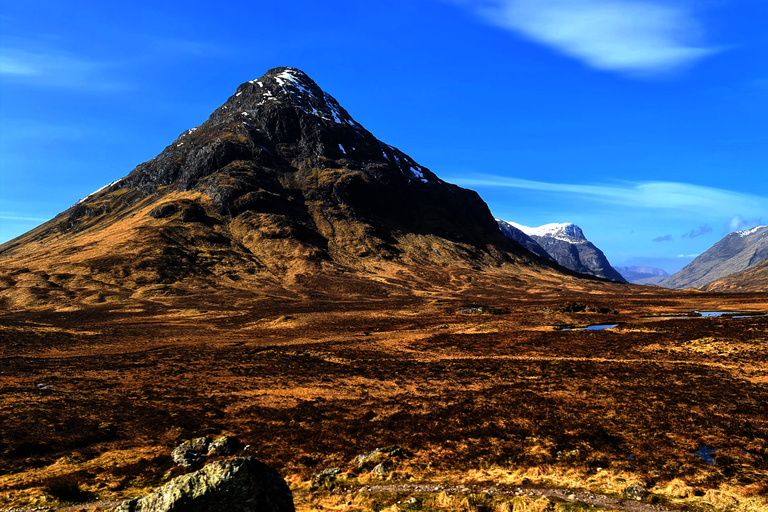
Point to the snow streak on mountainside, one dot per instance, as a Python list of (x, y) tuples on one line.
[(564, 243)]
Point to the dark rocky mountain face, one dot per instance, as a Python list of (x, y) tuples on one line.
[(279, 186), (736, 252), (581, 257), (642, 275)]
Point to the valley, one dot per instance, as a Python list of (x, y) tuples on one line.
[(279, 275), (479, 388)]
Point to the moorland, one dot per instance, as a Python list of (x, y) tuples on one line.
[(479, 386)]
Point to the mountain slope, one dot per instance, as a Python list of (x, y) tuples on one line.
[(567, 245), (753, 279), (278, 191), (736, 252)]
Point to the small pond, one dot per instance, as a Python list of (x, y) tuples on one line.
[(710, 314), (706, 454), (592, 327)]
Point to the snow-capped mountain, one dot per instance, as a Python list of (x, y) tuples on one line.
[(736, 252), (509, 229), (566, 244), (567, 232)]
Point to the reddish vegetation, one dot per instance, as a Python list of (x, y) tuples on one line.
[(471, 381)]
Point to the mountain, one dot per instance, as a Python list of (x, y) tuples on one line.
[(517, 235), (279, 192), (736, 252), (642, 275), (753, 279), (567, 245)]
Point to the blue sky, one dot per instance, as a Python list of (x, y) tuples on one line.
[(642, 121)]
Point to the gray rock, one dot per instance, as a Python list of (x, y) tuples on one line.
[(237, 485), (326, 474), (377, 455), (191, 453), (636, 492), (394, 451), (364, 458), (382, 469), (226, 445)]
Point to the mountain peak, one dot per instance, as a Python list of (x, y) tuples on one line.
[(566, 231), (282, 120), (285, 87)]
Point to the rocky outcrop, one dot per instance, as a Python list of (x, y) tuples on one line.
[(192, 452), (236, 485)]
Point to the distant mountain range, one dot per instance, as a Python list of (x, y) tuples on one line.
[(564, 243), (643, 275), (733, 254)]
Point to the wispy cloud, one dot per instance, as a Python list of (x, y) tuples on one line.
[(653, 195), (739, 223), (665, 238), (638, 37), (23, 218), (55, 68), (703, 230)]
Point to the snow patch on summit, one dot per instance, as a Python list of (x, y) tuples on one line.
[(566, 232), (749, 232)]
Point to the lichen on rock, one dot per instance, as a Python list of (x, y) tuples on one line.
[(236, 485)]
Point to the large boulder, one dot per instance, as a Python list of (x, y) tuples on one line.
[(236, 485)]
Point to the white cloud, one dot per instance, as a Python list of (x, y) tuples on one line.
[(739, 223), (639, 37), (653, 195)]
